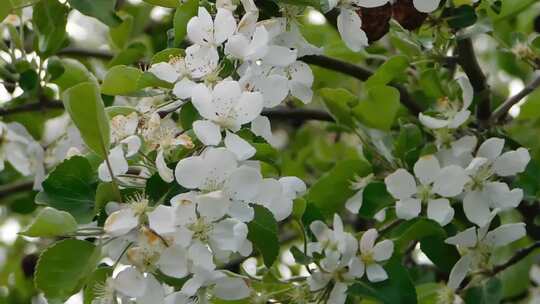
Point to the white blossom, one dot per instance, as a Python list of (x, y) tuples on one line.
[(435, 185)]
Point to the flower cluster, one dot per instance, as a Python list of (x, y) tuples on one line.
[(342, 259)]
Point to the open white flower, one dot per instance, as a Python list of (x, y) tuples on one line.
[(370, 255), (300, 81), (477, 245), (207, 34), (339, 248), (433, 181), (483, 193), (260, 78), (126, 217), (226, 106), (452, 116)]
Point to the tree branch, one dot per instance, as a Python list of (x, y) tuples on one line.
[(302, 114), (500, 113), (7, 190), (32, 107), (520, 255), (360, 73), (468, 61)]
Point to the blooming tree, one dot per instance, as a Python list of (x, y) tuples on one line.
[(273, 151)]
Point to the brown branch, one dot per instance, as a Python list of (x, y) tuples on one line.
[(360, 73), (32, 107), (7, 190), (500, 113), (469, 63), (302, 114), (520, 255)]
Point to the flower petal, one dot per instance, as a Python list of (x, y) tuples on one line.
[(426, 6), (426, 169), (459, 272), (164, 71), (466, 238), (512, 162), (432, 123), (367, 241), (408, 208), (279, 56), (207, 132), (184, 88), (376, 273), (121, 222), (505, 234), (476, 206), (224, 25), (440, 211), (491, 148), (231, 289), (383, 250), (241, 148), (354, 203), (400, 184), (450, 181), (350, 28), (173, 262), (166, 173)]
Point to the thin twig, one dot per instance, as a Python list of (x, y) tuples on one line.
[(32, 107), (7, 190), (520, 255), (500, 113), (360, 73), (469, 63)]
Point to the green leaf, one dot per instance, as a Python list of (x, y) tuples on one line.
[(188, 115), (332, 190), (393, 67), (103, 10), (380, 109), (263, 233), (121, 80), (375, 198), (51, 222), (62, 268), (462, 17), (300, 257), (431, 237), (10, 5), (164, 3), (132, 54), (50, 19), (184, 12), (166, 54), (339, 103), (409, 143), (416, 229), (397, 289), (105, 193), (120, 35), (84, 104), (74, 73), (69, 187), (119, 110), (160, 191), (96, 280), (488, 293)]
